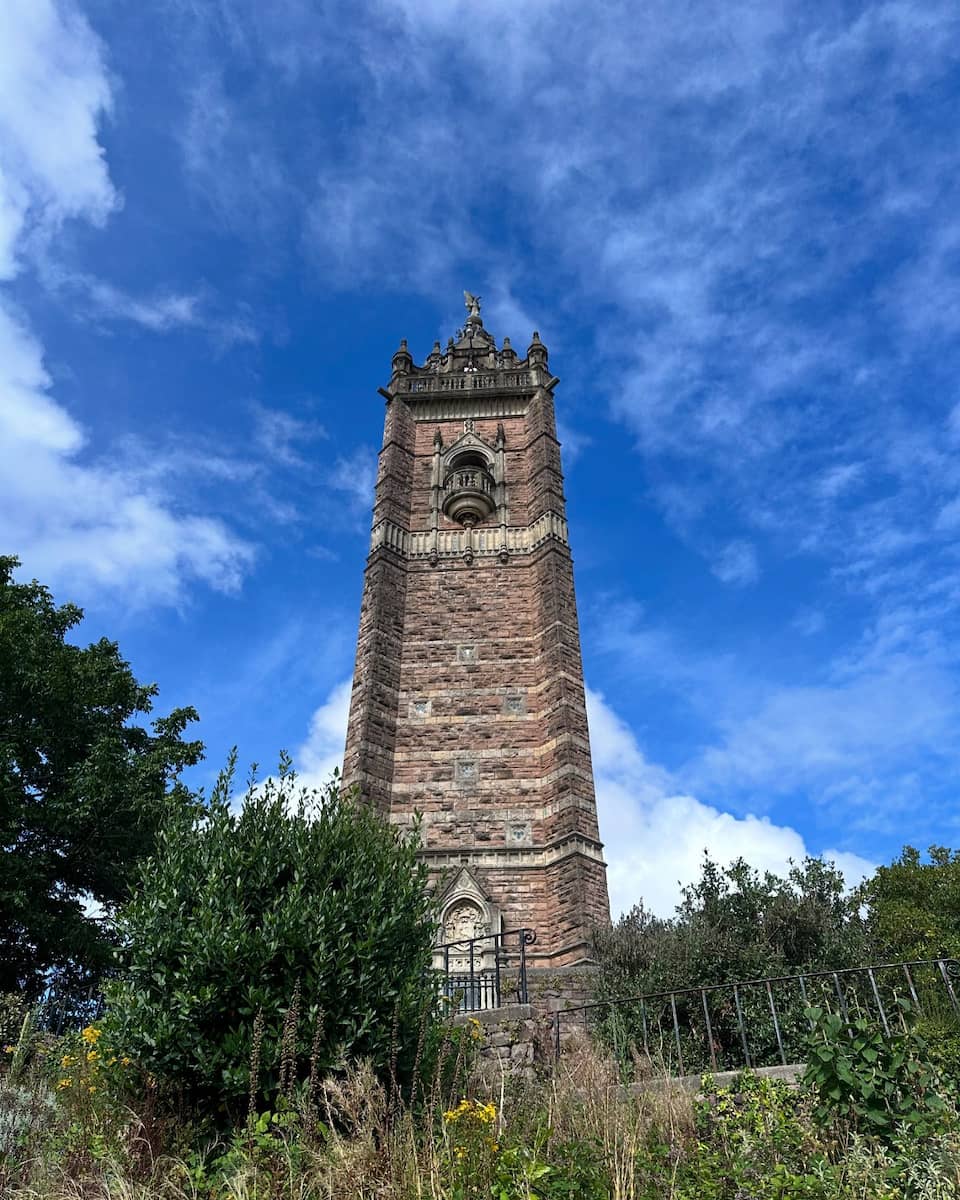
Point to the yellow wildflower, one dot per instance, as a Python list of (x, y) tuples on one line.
[(125, 1062), (92, 1087), (92, 1056), (91, 1035), (9, 1049), (67, 1061), (64, 1083)]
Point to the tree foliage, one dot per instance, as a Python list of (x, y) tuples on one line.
[(734, 923), (290, 902), (83, 790), (913, 907)]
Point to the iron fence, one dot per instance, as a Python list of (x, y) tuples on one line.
[(759, 1022), (485, 972)]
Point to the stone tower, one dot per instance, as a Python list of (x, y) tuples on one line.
[(468, 700)]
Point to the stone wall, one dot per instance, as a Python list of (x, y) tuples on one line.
[(514, 1039), (550, 989)]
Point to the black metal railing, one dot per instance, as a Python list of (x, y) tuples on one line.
[(758, 1022), (485, 972)]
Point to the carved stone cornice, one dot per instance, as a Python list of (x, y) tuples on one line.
[(456, 405), (490, 857), (481, 542)]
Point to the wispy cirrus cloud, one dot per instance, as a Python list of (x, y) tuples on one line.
[(713, 190), (163, 311)]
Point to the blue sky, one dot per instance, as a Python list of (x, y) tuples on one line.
[(735, 226)]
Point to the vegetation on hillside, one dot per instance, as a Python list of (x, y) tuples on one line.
[(272, 1030), (83, 1119), (296, 926), (84, 790), (913, 907), (735, 923)]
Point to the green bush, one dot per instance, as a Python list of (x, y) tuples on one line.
[(734, 924), (754, 1138), (291, 933), (872, 1079)]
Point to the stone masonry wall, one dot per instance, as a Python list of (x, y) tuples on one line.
[(468, 703)]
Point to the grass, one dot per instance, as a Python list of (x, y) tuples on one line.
[(569, 1133)]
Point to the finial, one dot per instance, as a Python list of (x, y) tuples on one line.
[(506, 344), (436, 347), (402, 360), (537, 351), (472, 304)]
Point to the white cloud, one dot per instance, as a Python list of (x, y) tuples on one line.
[(838, 479), (737, 564), (355, 475), (85, 523), (54, 91), (655, 834), (809, 621), (76, 518), (280, 435), (322, 752)]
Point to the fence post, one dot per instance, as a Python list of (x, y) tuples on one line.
[(942, 964), (527, 938)]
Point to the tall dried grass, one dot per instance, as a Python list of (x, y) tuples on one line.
[(373, 1144)]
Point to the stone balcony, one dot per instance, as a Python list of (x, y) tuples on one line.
[(469, 496)]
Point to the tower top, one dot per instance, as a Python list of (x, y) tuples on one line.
[(473, 350)]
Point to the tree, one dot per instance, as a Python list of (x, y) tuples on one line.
[(913, 907), (289, 903), (735, 923), (83, 789)]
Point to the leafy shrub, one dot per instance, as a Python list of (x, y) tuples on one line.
[(754, 1138), (735, 923), (291, 933), (874, 1079)]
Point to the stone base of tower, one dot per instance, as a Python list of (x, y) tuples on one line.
[(562, 902)]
